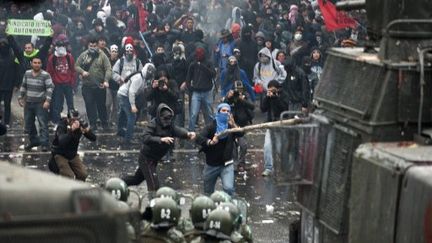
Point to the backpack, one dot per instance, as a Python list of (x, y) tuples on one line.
[(122, 63)]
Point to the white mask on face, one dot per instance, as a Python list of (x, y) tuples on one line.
[(60, 51), (298, 37)]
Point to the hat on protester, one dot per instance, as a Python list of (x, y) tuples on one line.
[(129, 47), (224, 33)]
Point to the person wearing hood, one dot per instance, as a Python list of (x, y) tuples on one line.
[(61, 67), (179, 71), (218, 149), (158, 138), (98, 29), (236, 18), (260, 40), (267, 69), (249, 51), (135, 84), (10, 77), (233, 74)]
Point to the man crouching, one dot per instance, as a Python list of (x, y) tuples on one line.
[(65, 159)]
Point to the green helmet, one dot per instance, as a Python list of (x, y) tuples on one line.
[(165, 213), (219, 197), (234, 211), (219, 224), (118, 188), (167, 192), (200, 209)]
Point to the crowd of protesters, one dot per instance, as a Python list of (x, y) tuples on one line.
[(127, 57)]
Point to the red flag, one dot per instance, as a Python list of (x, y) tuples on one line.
[(334, 19), (142, 16)]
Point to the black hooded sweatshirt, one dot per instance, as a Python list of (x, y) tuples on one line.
[(153, 148)]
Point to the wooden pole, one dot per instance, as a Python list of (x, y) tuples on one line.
[(266, 125)]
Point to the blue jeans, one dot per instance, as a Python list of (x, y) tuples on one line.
[(61, 91), (268, 157), (126, 118), (211, 174), (204, 100), (31, 112)]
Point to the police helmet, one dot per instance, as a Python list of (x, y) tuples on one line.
[(165, 213), (118, 188), (200, 210), (168, 192), (219, 197), (219, 224), (234, 211)]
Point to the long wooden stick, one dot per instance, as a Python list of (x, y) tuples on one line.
[(265, 125)]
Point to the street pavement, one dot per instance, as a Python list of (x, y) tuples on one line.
[(271, 205)]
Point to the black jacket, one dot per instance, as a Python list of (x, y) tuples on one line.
[(200, 76), (242, 110), (153, 148), (218, 154), (66, 142), (297, 86), (10, 71), (274, 106), (169, 97)]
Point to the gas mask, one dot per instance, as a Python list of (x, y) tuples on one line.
[(298, 37)]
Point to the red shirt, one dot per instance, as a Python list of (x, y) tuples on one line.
[(64, 71)]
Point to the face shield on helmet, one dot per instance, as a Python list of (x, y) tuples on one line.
[(234, 211)]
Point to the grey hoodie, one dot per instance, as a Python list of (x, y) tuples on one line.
[(136, 84), (264, 73)]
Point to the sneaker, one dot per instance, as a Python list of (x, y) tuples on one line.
[(266, 172), (29, 146)]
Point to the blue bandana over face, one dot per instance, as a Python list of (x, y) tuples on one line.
[(222, 119)]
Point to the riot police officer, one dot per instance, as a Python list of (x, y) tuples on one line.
[(200, 209), (165, 216)]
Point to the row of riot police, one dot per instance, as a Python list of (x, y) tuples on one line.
[(218, 218)]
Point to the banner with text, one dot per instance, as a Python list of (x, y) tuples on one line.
[(29, 27)]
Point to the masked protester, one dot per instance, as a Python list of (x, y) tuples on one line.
[(95, 71), (233, 74), (267, 69), (249, 51), (61, 67), (218, 150), (157, 140), (199, 81)]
